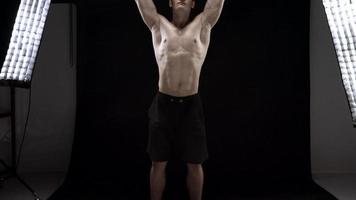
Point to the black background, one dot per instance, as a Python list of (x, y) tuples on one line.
[(8, 12), (254, 86)]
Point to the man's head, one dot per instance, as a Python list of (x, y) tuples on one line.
[(182, 5)]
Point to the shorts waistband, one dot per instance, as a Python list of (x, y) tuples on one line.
[(176, 98)]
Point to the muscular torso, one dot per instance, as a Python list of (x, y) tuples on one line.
[(180, 54)]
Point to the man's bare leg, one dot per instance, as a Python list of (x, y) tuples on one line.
[(157, 179), (195, 179)]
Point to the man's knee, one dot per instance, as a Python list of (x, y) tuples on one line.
[(159, 165), (194, 168)]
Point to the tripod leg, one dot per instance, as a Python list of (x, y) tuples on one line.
[(28, 187), (10, 173)]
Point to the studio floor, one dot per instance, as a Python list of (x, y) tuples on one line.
[(43, 183), (342, 186)]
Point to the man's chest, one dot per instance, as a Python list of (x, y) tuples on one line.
[(190, 38)]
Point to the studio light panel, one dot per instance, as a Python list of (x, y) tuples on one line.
[(341, 15), (25, 40)]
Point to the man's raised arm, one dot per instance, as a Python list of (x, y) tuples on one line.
[(212, 11), (148, 12)]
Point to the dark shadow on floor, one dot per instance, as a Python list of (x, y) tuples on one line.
[(136, 187)]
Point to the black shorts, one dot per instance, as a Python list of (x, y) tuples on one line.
[(177, 128)]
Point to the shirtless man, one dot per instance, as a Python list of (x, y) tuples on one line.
[(177, 123)]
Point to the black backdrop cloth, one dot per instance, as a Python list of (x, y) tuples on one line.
[(8, 12), (254, 86)]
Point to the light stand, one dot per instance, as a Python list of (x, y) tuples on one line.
[(11, 171)]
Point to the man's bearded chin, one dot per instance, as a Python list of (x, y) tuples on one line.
[(182, 8)]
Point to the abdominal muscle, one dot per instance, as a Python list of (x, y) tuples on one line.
[(179, 74)]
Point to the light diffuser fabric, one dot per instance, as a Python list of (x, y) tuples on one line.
[(25, 40), (341, 15)]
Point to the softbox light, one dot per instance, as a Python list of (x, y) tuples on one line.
[(24, 43), (341, 15), (17, 70)]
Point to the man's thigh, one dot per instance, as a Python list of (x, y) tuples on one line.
[(190, 139)]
